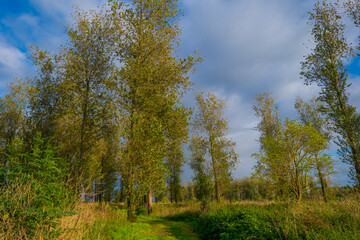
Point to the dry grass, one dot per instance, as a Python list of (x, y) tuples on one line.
[(168, 209), (15, 201), (88, 221)]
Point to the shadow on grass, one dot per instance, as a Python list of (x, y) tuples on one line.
[(172, 229)]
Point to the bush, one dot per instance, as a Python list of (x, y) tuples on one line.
[(34, 191), (234, 223), (310, 220)]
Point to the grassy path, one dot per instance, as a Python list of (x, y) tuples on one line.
[(155, 228)]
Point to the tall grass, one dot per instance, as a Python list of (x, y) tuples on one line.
[(23, 217), (276, 220), (92, 221)]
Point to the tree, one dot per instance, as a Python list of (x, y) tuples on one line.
[(13, 119), (269, 127), (150, 80), (287, 157), (266, 109), (202, 177), (311, 115), (326, 66), (244, 189), (46, 95), (212, 129), (87, 127), (177, 135)]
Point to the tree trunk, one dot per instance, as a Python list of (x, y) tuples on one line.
[(149, 201), (299, 195), (322, 184), (214, 168), (130, 211)]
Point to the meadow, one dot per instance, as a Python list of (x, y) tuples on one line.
[(337, 219)]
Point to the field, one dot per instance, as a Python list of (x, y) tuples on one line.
[(239, 220)]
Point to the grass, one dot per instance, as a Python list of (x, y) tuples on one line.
[(240, 220), (270, 220), (155, 228), (94, 221)]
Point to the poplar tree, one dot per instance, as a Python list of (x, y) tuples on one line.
[(326, 66), (204, 185), (177, 135), (87, 126), (291, 155), (212, 128), (290, 151), (311, 115), (269, 127), (151, 80), (46, 95)]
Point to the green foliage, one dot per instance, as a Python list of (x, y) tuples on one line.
[(230, 223), (150, 80), (203, 181), (213, 154), (37, 179), (335, 220), (291, 151), (326, 66), (244, 189)]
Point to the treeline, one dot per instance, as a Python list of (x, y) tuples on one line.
[(103, 114), (293, 152), (109, 101)]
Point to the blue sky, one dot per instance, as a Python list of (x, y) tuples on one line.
[(250, 46)]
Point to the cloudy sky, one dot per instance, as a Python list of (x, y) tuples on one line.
[(250, 46)]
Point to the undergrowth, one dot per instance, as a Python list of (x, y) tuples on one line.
[(310, 220)]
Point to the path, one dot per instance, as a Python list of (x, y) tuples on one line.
[(157, 228)]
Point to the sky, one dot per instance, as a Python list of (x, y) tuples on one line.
[(249, 46)]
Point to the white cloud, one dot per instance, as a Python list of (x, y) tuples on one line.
[(62, 9), (13, 63), (11, 57), (247, 44), (250, 47), (30, 20)]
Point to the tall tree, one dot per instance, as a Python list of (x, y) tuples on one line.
[(151, 80), (88, 119), (13, 119), (288, 149), (311, 115), (213, 128), (202, 171), (177, 135), (46, 94), (269, 127), (326, 66), (266, 109)]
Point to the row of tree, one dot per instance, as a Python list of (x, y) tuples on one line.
[(293, 151), (110, 98)]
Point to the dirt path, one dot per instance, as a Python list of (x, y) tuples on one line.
[(160, 228)]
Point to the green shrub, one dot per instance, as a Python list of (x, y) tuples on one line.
[(34, 192), (311, 220), (234, 223), (140, 211)]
